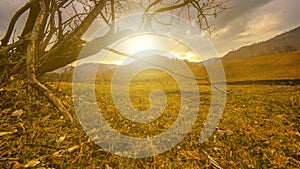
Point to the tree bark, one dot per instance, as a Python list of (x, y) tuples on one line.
[(32, 17), (30, 60), (68, 52)]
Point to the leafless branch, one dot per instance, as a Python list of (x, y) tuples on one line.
[(172, 7), (13, 21)]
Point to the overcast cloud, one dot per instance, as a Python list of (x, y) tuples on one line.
[(253, 21)]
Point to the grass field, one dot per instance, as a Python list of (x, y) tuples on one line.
[(269, 67), (260, 128)]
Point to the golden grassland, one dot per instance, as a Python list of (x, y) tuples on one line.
[(260, 128), (269, 67)]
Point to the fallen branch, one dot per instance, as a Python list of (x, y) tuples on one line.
[(213, 162)]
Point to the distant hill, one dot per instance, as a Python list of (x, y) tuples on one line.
[(282, 66), (274, 59), (268, 67), (83, 72), (283, 43), (87, 68)]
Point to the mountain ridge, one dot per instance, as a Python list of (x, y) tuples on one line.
[(275, 59), (288, 41)]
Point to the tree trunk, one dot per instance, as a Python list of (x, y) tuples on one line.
[(31, 58)]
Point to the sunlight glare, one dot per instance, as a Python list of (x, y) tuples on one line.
[(141, 42), (117, 62)]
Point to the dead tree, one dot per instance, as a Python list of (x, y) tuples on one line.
[(52, 35)]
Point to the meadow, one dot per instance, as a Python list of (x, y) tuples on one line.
[(260, 128)]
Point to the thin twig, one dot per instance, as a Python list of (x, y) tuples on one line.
[(213, 162)]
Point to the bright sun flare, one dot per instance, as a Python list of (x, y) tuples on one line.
[(140, 42), (143, 42)]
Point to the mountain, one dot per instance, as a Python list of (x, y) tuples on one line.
[(283, 43), (83, 72), (89, 68), (274, 59)]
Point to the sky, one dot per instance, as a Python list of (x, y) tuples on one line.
[(244, 23), (252, 21)]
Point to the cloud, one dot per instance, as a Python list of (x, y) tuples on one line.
[(238, 13), (233, 23), (252, 21), (237, 20), (245, 23)]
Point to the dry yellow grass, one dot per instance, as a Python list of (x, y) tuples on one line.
[(270, 67), (259, 129)]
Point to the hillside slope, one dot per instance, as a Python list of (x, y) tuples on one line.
[(283, 43), (268, 67)]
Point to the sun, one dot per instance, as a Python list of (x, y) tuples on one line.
[(118, 62), (189, 55), (141, 42)]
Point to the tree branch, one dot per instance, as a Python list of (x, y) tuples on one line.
[(151, 5), (57, 58), (12, 23), (168, 8), (32, 17), (85, 24)]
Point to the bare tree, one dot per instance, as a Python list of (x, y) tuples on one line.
[(52, 35)]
